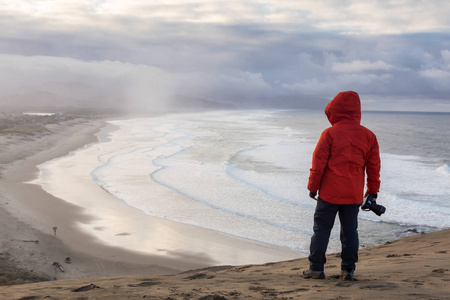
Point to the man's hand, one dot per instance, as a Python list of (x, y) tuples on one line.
[(374, 196), (313, 195)]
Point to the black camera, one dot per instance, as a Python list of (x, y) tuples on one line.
[(370, 203)]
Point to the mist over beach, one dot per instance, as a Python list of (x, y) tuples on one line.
[(148, 139)]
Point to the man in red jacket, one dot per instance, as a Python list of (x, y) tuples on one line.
[(346, 151)]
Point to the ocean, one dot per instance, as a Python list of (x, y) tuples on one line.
[(244, 174)]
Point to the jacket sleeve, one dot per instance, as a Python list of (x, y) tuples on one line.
[(319, 161), (373, 166)]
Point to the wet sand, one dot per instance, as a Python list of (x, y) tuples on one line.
[(29, 214)]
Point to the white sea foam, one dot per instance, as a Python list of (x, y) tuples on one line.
[(238, 174), (444, 170), (416, 180)]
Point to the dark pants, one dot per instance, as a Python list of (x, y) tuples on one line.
[(324, 217)]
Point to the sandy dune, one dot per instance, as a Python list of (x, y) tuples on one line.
[(415, 267)]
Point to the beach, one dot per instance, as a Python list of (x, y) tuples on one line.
[(241, 174), (80, 266), (415, 267), (29, 215)]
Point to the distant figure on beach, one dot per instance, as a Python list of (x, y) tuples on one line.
[(345, 152)]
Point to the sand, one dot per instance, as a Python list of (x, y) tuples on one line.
[(28, 215), (415, 267)]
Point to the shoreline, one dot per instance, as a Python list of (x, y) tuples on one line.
[(38, 212), (414, 267)]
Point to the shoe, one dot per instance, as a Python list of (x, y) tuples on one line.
[(313, 274), (347, 274)]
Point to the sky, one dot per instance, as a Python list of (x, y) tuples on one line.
[(253, 54)]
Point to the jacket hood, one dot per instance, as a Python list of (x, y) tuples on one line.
[(345, 106)]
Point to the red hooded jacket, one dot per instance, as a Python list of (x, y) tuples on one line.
[(344, 153)]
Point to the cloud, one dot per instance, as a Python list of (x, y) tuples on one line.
[(361, 66), (436, 74), (85, 83), (373, 17), (140, 53), (129, 85), (446, 57), (438, 79)]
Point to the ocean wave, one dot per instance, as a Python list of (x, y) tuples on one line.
[(444, 169), (240, 176)]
